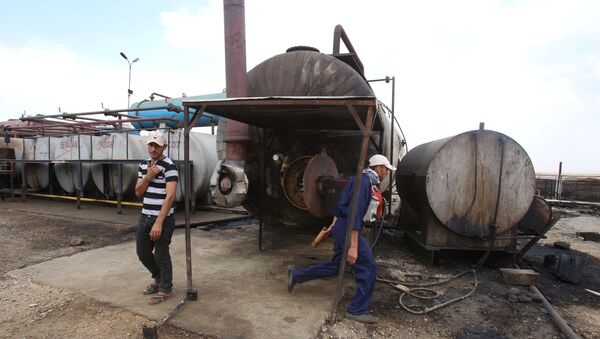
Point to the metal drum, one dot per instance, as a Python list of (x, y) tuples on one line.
[(469, 182)]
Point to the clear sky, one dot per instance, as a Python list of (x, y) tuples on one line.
[(528, 69)]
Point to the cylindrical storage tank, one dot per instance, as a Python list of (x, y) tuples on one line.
[(203, 154), (469, 182), (117, 146), (73, 147), (301, 72), (399, 142), (206, 120), (37, 175)]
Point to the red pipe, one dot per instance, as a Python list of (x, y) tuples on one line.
[(235, 75)]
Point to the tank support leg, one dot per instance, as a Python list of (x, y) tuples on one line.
[(78, 199), (119, 205), (260, 235), (12, 188), (120, 190)]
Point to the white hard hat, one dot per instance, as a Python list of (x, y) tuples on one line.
[(380, 160)]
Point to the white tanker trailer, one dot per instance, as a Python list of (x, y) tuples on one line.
[(98, 177)]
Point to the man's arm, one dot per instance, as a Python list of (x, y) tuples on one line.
[(164, 210), (142, 183)]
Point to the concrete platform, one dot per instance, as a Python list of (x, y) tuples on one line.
[(242, 292), (108, 213)]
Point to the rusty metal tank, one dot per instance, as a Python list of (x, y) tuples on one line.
[(466, 189), (302, 72)]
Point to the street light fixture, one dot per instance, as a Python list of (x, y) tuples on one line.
[(129, 91)]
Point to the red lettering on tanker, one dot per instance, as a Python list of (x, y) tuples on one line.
[(105, 143), (67, 143)]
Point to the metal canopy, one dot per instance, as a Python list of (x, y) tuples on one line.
[(320, 113), (352, 113)]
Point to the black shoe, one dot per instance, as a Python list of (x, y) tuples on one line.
[(363, 318), (291, 281)]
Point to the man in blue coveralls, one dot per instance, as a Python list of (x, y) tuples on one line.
[(359, 254)]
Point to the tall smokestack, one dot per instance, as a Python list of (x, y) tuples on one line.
[(237, 134), (229, 183)]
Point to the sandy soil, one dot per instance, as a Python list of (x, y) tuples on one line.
[(31, 310)]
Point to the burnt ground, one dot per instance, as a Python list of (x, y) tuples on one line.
[(30, 310)]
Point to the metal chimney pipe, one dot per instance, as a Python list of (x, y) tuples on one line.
[(235, 75)]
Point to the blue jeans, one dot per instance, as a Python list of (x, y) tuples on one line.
[(158, 263), (365, 269)]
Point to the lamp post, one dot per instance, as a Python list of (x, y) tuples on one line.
[(129, 91)]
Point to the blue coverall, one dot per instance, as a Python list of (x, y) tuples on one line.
[(365, 268)]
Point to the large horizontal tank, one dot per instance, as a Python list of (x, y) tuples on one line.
[(74, 147), (206, 120), (203, 154), (117, 146), (461, 186), (303, 72)]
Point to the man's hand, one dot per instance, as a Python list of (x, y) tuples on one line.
[(352, 255), (153, 170), (156, 231), (328, 230)]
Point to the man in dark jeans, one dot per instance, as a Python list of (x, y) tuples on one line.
[(157, 184)]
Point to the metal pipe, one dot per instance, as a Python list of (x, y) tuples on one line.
[(103, 122), (393, 124), (559, 182), (558, 320), (158, 95), (105, 112), (339, 33), (192, 294), (68, 197)]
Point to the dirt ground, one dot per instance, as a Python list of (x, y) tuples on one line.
[(488, 313), (31, 310)]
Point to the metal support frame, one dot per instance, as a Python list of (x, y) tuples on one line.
[(366, 132)]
